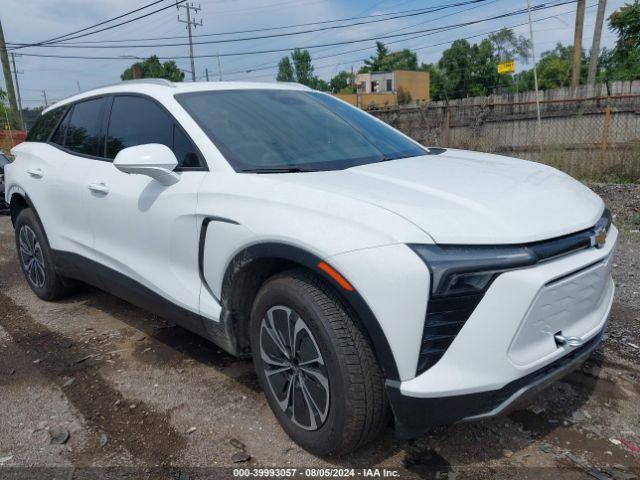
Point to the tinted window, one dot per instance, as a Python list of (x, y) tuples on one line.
[(284, 129), (137, 120), (58, 136), (45, 124), (83, 131)]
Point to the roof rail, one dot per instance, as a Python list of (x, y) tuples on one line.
[(154, 81)]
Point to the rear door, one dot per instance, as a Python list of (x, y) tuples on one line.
[(144, 230), (57, 170)]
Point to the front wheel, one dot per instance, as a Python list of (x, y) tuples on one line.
[(316, 366)]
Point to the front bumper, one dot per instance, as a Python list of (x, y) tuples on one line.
[(506, 350), (414, 415)]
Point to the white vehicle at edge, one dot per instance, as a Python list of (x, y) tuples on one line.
[(364, 273)]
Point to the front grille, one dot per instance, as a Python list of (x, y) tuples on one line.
[(445, 317)]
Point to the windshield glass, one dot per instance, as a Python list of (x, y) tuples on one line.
[(289, 130)]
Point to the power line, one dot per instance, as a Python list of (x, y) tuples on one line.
[(275, 35), (265, 29), (42, 44), (257, 67), (347, 42), (409, 39)]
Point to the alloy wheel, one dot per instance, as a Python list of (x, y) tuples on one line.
[(31, 256), (294, 367)]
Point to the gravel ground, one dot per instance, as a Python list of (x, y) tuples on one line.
[(140, 398)]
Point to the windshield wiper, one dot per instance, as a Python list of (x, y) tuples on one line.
[(277, 170)]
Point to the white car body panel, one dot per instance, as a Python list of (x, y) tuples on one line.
[(479, 357), (362, 221), (60, 204), (462, 197), (147, 230)]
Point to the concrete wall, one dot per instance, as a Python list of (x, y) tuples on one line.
[(415, 83)]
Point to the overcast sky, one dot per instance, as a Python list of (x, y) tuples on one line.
[(37, 20)]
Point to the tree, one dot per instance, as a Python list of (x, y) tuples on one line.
[(152, 68), (507, 46), (385, 61), (300, 69), (374, 63), (554, 69), (285, 71), (623, 62), (626, 23), (302, 66), (342, 83)]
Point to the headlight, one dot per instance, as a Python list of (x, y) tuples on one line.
[(462, 269)]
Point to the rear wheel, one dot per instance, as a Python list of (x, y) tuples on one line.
[(36, 259), (316, 366)]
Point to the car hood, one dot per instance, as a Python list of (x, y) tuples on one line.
[(462, 197)]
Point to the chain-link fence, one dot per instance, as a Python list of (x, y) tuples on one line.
[(593, 137)]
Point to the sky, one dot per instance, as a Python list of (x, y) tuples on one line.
[(38, 20)]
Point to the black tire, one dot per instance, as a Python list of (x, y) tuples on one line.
[(357, 404), (45, 282)]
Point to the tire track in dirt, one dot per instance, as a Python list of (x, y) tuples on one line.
[(146, 434)]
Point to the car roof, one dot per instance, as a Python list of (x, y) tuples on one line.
[(155, 86)]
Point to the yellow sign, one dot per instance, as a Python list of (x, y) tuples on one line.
[(507, 67)]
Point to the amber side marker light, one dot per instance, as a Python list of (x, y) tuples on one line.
[(335, 275)]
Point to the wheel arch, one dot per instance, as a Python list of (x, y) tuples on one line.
[(251, 267)]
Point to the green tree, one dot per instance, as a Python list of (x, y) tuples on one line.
[(285, 71), (342, 83), (152, 68), (374, 63), (554, 69), (300, 69), (626, 23), (507, 46), (385, 61), (623, 62), (302, 66)]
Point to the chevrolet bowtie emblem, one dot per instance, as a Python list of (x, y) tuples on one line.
[(599, 239)]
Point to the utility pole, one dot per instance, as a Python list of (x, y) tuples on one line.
[(44, 94), (535, 68), (190, 23), (577, 44), (206, 73), (595, 45), (4, 58), (219, 66), (78, 84), (15, 74)]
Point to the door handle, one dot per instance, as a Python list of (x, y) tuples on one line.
[(35, 172), (98, 188)]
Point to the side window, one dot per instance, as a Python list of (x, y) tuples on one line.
[(45, 124), (59, 134), (184, 150), (83, 131), (137, 120)]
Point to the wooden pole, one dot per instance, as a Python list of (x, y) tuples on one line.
[(577, 44), (595, 45)]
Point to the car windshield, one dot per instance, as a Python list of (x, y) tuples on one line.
[(276, 131)]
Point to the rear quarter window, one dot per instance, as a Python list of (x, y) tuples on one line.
[(45, 124)]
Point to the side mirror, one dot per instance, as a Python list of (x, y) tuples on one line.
[(152, 159)]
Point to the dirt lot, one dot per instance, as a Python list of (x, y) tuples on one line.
[(141, 398)]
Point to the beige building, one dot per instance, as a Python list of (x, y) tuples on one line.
[(385, 89)]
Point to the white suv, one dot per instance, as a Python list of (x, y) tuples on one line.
[(361, 270)]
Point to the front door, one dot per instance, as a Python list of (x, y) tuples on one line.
[(146, 233)]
